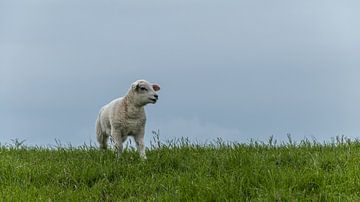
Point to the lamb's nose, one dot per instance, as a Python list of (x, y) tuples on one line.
[(156, 96)]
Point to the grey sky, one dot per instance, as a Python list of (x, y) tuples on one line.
[(230, 69)]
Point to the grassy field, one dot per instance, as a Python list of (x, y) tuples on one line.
[(184, 172)]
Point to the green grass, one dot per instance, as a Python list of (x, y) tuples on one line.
[(184, 172)]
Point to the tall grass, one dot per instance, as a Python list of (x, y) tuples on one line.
[(180, 170)]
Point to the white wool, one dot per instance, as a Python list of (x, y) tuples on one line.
[(125, 116)]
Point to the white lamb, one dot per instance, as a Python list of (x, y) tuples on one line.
[(125, 117)]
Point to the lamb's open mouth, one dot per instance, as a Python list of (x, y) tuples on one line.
[(153, 100)]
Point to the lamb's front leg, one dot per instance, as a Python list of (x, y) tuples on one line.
[(139, 139), (116, 135)]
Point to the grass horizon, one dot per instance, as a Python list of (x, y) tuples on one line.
[(182, 170), (156, 142)]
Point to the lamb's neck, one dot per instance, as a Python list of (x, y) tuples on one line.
[(132, 109)]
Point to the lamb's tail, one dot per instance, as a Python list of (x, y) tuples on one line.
[(98, 129), (101, 136)]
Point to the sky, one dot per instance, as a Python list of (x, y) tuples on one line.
[(236, 70)]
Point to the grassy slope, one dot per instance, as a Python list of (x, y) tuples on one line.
[(188, 172)]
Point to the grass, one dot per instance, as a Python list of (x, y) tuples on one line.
[(184, 171)]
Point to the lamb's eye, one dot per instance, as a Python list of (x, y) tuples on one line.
[(143, 89)]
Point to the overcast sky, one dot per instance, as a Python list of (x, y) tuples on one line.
[(231, 69)]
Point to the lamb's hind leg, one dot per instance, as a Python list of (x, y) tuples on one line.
[(101, 136), (103, 139)]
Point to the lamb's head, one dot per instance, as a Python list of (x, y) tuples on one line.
[(144, 92)]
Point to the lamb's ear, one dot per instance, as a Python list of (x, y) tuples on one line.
[(156, 87), (135, 86)]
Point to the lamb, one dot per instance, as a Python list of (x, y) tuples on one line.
[(125, 116)]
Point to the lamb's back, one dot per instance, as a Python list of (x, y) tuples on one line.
[(111, 111)]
